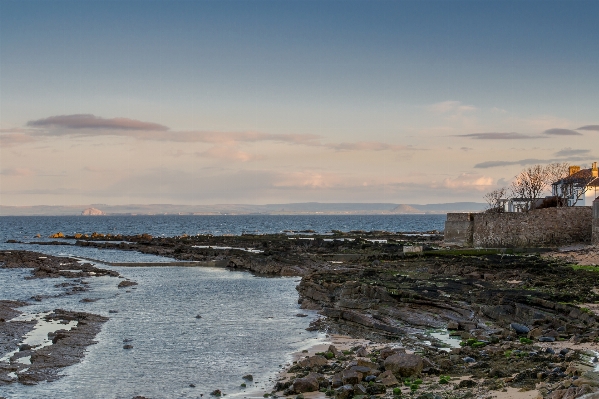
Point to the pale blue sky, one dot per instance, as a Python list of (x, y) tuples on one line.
[(265, 101)]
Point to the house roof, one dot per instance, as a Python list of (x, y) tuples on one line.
[(581, 177)]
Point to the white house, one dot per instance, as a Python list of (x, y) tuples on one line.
[(580, 188)]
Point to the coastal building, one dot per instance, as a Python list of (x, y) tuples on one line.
[(580, 187)]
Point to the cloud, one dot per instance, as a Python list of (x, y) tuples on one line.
[(367, 146), (589, 127), (530, 161), (562, 132), (451, 106), (19, 172), (229, 153), (499, 136), (10, 140), (567, 152), (469, 181), (89, 121), (466, 148)]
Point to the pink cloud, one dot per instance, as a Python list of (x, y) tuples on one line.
[(228, 153), (18, 172)]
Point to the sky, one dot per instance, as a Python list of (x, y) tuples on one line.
[(256, 102)]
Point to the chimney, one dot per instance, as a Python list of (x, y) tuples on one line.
[(594, 170), (573, 169)]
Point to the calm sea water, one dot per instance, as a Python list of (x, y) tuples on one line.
[(22, 227), (248, 323)]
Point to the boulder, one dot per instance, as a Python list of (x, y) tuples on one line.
[(362, 352), (386, 352), (344, 392), (388, 379), (351, 377), (404, 365), (520, 328), (313, 361), (307, 384)]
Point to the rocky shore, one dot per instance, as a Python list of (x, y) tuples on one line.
[(436, 322), (69, 333)]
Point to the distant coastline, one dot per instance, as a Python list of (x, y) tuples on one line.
[(305, 208)]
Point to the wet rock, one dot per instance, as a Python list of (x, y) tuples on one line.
[(404, 365), (546, 339), (301, 315), (128, 346), (113, 311), (248, 377), (362, 352), (333, 350), (126, 283), (468, 359), (198, 316), (216, 392), (520, 328)]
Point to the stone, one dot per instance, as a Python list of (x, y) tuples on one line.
[(453, 325), (216, 392), (333, 350), (468, 359), (248, 377), (388, 379), (128, 346), (344, 392), (305, 384), (362, 352), (467, 384), (546, 339), (386, 352), (351, 377), (313, 361), (520, 328), (404, 365)]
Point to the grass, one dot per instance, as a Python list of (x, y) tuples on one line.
[(585, 267)]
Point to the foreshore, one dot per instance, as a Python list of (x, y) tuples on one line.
[(526, 325)]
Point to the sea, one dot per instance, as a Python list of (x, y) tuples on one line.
[(248, 324)]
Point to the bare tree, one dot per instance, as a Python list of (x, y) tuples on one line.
[(529, 185), (493, 200)]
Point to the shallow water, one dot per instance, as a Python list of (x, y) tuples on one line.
[(247, 325)]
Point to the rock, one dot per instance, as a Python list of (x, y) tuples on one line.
[(388, 379), (198, 316), (520, 328), (376, 389), (313, 361), (248, 377), (336, 380), (467, 384), (453, 325), (305, 384), (334, 350), (113, 311), (301, 315), (344, 392), (404, 365), (546, 339), (535, 332), (362, 352), (216, 392), (351, 377), (126, 283), (468, 359), (370, 378), (359, 389), (128, 346), (386, 352)]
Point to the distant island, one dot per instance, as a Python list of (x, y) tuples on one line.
[(301, 208)]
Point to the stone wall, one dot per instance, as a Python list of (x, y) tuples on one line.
[(596, 221), (539, 228), (458, 229)]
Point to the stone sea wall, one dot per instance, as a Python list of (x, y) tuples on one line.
[(596, 222), (538, 228)]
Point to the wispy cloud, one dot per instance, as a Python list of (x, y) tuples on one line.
[(89, 121), (18, 172), (468, 180), (228, 153), (530, 161), (12, 139), (562, 132), (499, 136), (589, 127), (451, 107), (567, 152), (367, 146)]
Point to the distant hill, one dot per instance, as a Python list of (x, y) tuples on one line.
[(301, 208), (406, 209)]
